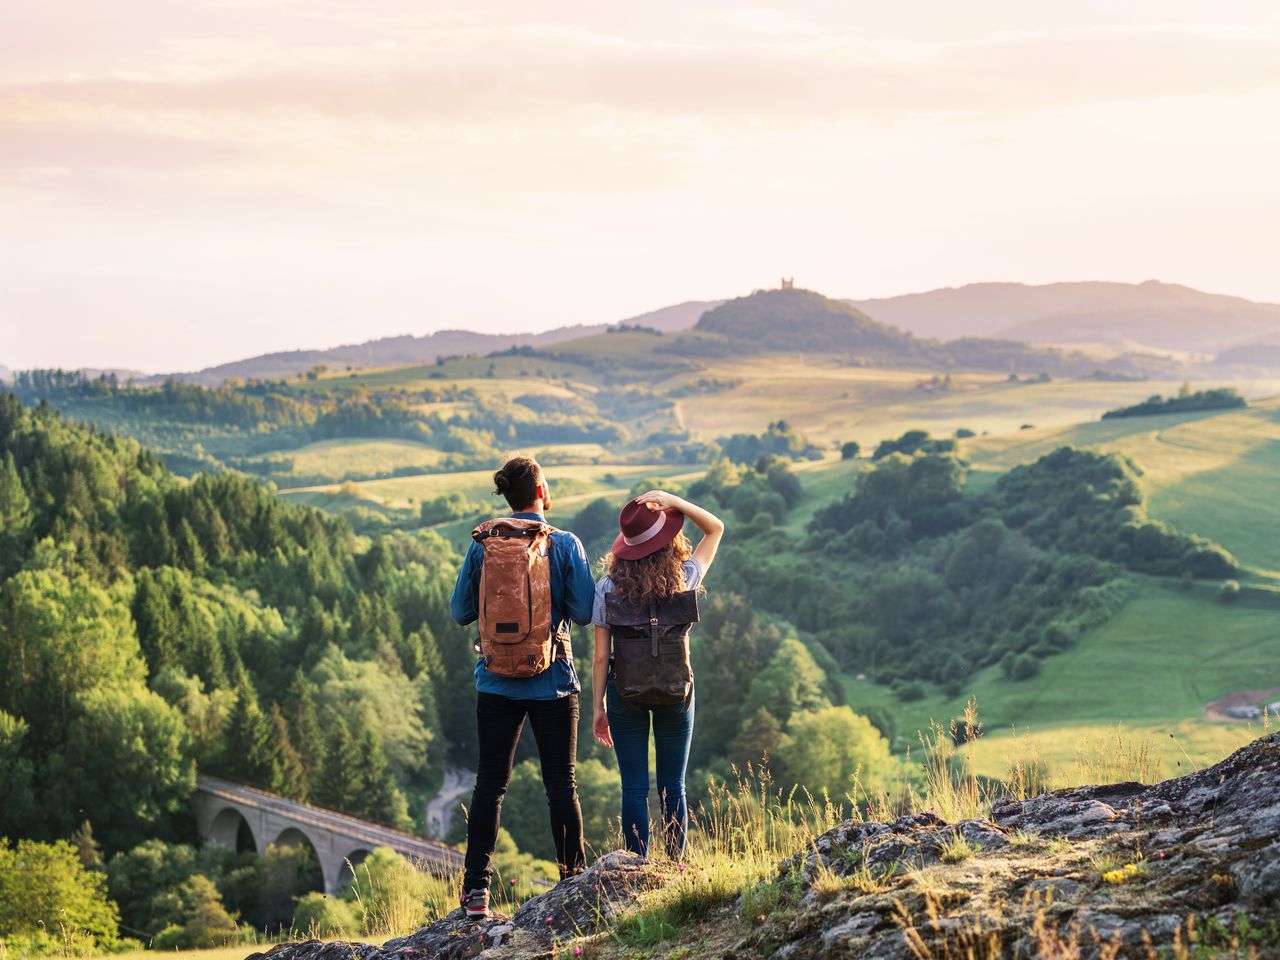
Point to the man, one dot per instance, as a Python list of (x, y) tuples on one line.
[(548, 698)]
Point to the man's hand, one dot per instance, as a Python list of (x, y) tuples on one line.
[(657, 500), (600, 727)]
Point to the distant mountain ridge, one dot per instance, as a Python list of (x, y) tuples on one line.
[(1133, 316), (383, 352), (1166, 316), (405, 350)]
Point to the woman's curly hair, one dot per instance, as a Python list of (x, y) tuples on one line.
[(655, 577)]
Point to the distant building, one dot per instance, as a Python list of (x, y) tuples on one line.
[(788, 283)]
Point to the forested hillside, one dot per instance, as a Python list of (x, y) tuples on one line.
[(149, 625), (243, 426)]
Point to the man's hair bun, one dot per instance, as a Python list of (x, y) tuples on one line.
[(518, 481)]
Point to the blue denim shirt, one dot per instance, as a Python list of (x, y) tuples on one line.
[(572, 592)]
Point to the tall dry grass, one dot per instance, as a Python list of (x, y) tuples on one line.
[(743, 831)]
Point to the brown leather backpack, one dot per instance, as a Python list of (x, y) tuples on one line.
[(515, 597), (651, 646)]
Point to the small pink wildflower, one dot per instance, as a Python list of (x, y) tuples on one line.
[(1161, 854), (512, 881), (551, 920), (681, 868), (577, 951)]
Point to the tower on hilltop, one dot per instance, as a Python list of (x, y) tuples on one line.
[(788, 283)]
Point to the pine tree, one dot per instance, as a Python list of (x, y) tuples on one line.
[(304, 721), (252, 755), (380, 798), (87, 846), (432, 664), (157, 622), (340, 776), (759, 738), (294, 781), (15, 514), (190, 554)]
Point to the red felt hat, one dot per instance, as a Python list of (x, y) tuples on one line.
[(645, 531)]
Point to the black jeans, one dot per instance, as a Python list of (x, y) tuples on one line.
[(555, 727)]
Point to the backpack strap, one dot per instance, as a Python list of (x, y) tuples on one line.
[(653, 624)]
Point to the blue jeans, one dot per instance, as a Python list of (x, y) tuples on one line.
[(672, 732)]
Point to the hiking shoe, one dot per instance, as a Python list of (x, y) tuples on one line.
[(475, 903)]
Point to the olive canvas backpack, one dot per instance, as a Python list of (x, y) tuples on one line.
[(516, 638), (651, 646)]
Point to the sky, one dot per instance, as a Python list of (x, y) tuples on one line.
[(188, 182)]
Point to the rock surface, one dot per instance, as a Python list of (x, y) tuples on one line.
[(1029, 881), (579, 906), (1122, 870)]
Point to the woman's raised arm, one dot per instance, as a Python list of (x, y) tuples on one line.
[(712, 527)]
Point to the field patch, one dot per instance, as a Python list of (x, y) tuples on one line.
[(571, 485), (1156, 666), (357, 457)]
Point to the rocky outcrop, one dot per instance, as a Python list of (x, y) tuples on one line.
[(1124, 870), (577, 907)]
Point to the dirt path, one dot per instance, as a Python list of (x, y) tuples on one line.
[(457, 784)]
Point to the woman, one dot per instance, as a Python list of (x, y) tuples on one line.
[(648, 596)]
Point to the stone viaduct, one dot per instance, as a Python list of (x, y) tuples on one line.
[(223, 809)]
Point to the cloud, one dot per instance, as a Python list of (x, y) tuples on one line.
[(528, 74), (771, 21)]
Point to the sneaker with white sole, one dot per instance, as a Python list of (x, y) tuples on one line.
[(475, 903)]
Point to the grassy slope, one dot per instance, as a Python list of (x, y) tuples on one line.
[(1152, 668), (1212, 474), (1168, 653)]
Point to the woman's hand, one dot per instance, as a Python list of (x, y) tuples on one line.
[(600, 727), (657, 500)]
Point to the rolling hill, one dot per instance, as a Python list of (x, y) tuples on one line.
[(804, 321), (1158, 315), (789, 320)]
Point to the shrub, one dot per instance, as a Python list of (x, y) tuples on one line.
[(911, 691), (392, 897), (1024, 667), (448, 506), (323, 917), (1229, 591), (196, 917), (45, 888), (824, 749)]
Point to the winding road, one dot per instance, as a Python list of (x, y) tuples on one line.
[(457, 784)]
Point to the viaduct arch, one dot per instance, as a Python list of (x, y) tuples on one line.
[(222, 807)]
